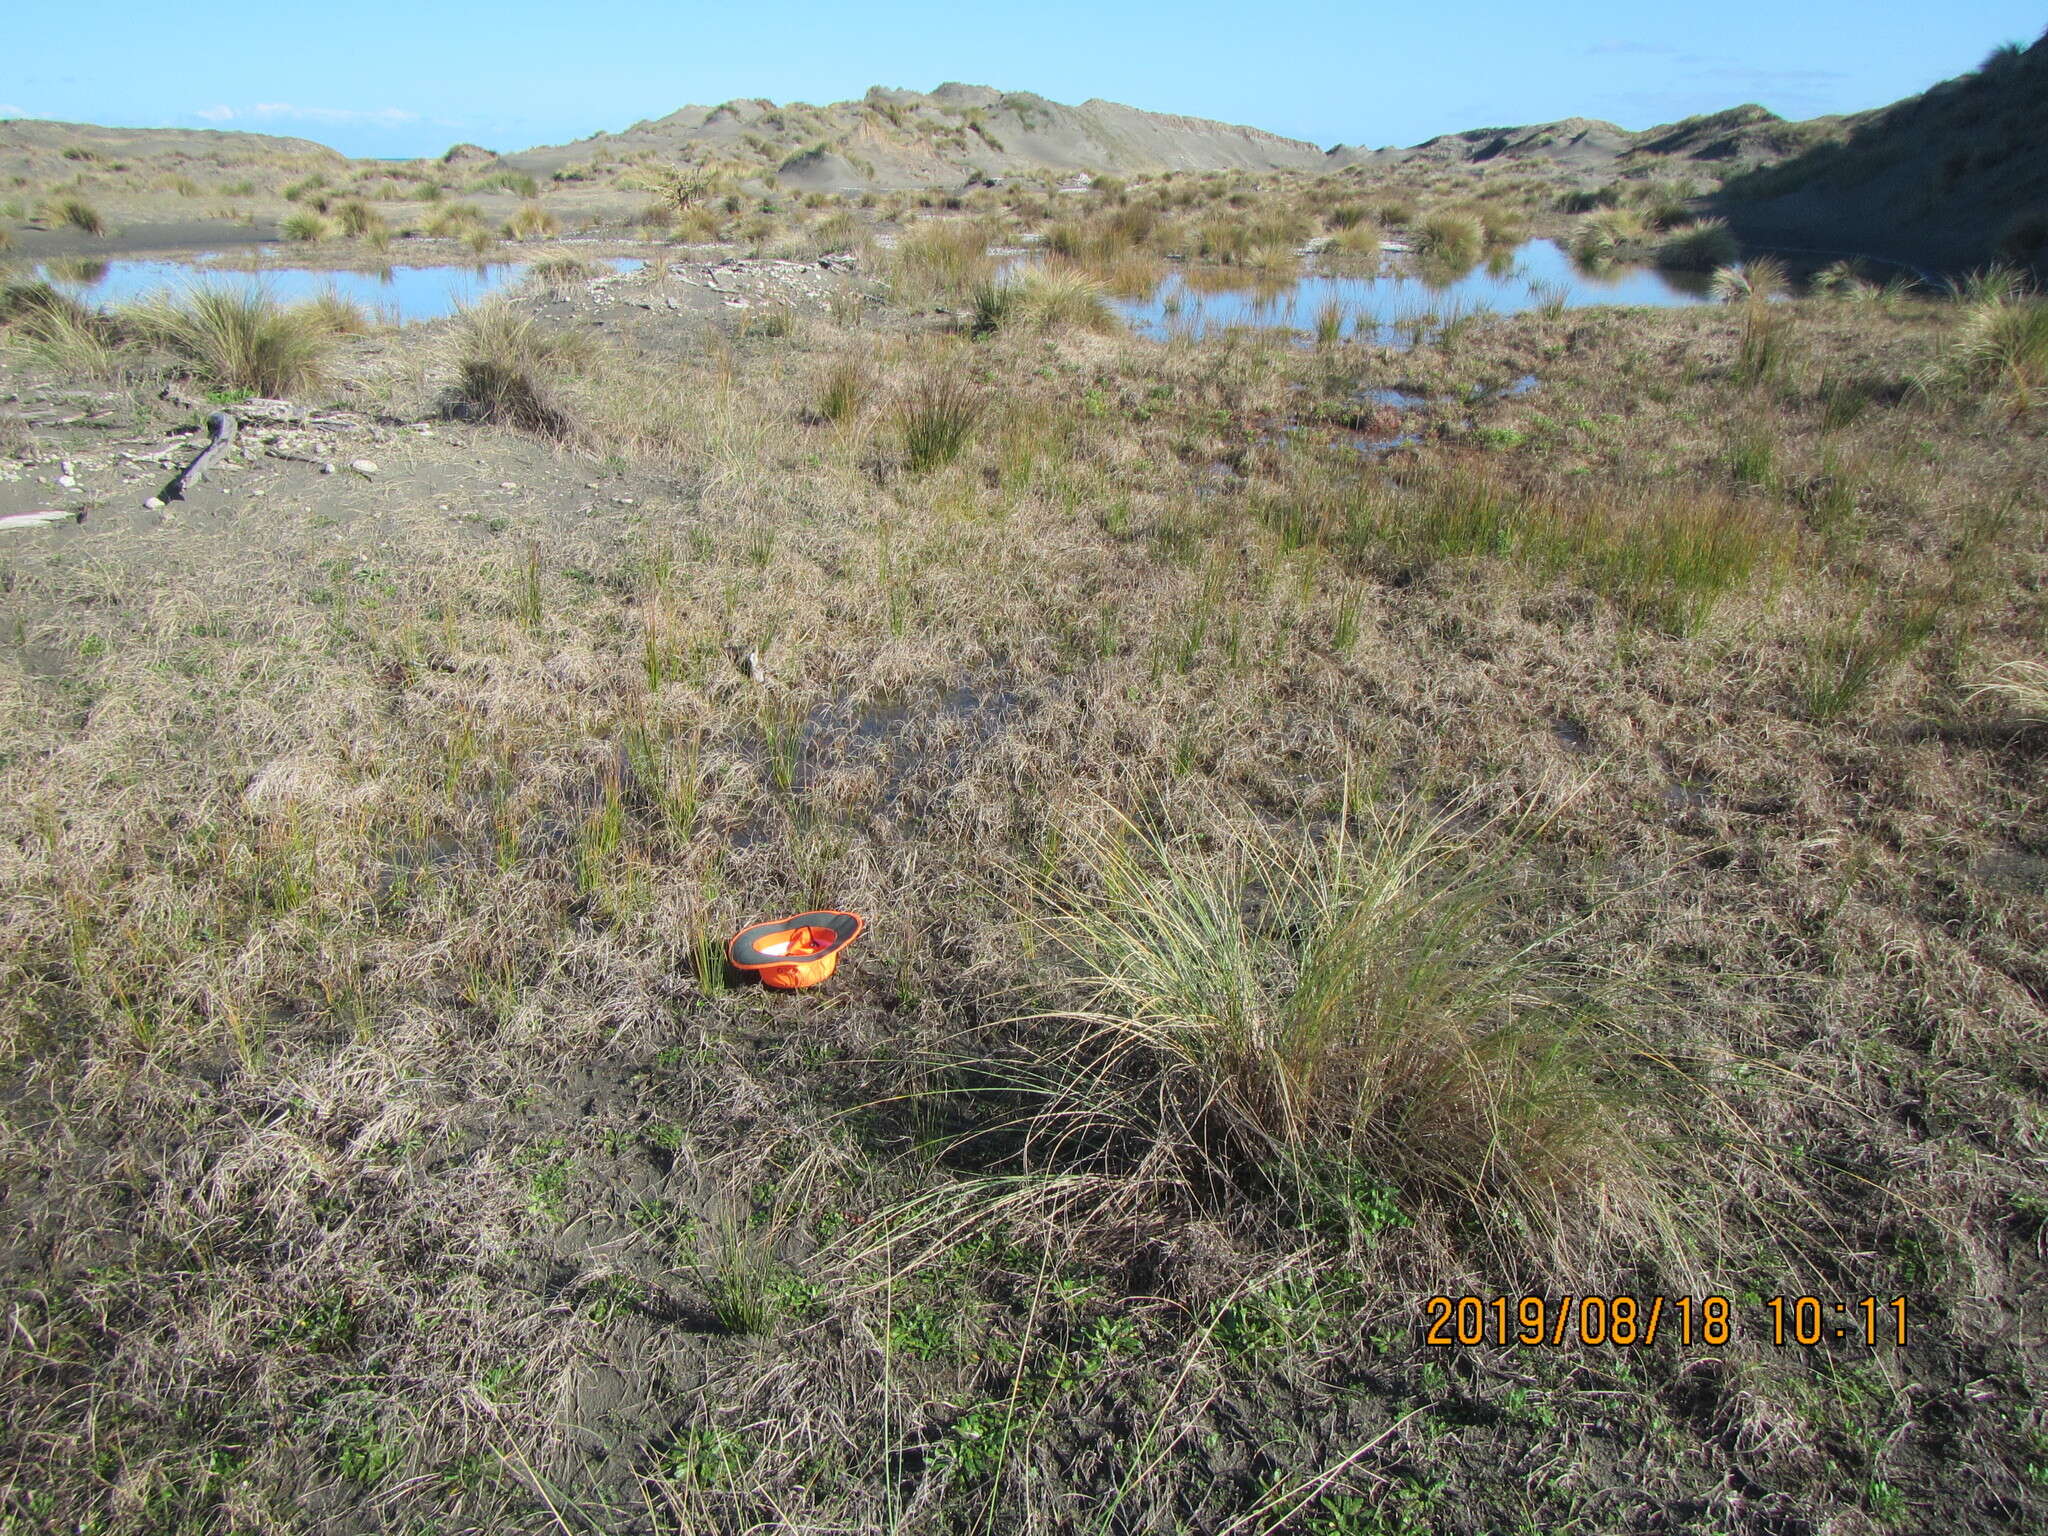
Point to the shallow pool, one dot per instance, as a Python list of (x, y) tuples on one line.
[(398, 295), (1399, 306)]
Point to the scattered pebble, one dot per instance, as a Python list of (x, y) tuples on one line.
[(507, 485), (327, 467), (363, 466), (155, 503), (67, 481)]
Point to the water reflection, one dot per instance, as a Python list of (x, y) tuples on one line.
[(402, 294), (1398, 308)]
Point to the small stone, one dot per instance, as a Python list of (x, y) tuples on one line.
[(507, 485), (66, 468), (326, 469), (67, 481), (155, 503), (363, 466)]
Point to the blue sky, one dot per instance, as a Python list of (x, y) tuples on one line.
[(382, 78)]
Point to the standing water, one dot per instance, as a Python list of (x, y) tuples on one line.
[(1537, 273), (399, 294)]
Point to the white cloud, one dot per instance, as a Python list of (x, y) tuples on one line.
[(9, 109), (282, 111)]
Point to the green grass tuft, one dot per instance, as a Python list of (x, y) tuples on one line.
[(240, 338), (306, 227), (938, 417), (1342, 1027), (1055, 296), (1704, 247), (2000, 351)]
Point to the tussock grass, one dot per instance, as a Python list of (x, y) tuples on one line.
[(59, 331), (342, 316), (359, 221), (1840, 280), (845, 392), (1361, 239), (1341, 1028), (1990, 285), (516, 182), (2022, 686), (240, 337), (937, 418), (1753, 288), (532, 222), (510, 368), (1847, 661), (1667, 560), (1608, 234), (944, 258), (560, 273), (306, 227), (2000, 350), (1051, 297), (1449, 242), (455, 221), (1702, 248), (77, 213)]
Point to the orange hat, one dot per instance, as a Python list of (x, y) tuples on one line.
[(790, 953)]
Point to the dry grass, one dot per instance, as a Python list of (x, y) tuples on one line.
[(1408, 858), (510, 366), (947, 260), (532, 222), (75, 213), (2020, 685)]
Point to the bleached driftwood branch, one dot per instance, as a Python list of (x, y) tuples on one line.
[(222, 428)]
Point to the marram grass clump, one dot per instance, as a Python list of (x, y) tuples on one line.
[(1344, 1027), (510, 368), (240, 338), (1056, 296)]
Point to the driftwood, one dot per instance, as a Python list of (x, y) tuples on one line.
[(222, 428), (43, 519)]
